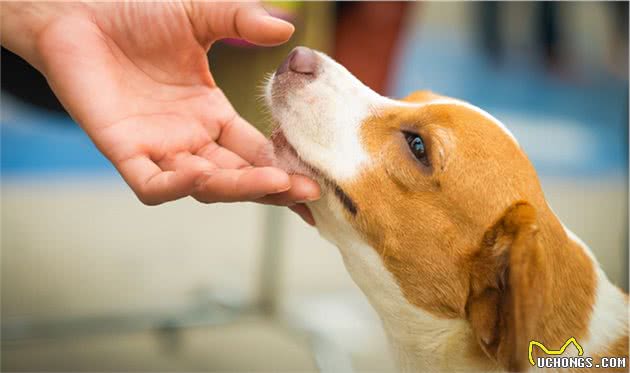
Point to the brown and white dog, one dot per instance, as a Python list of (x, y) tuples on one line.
[(442, 222)]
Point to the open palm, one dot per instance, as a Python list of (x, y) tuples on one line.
[(136, 78)]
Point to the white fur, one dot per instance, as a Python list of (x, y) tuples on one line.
[(609, 317), (609, 320), (323, 117), (420, 342), (322, 120)]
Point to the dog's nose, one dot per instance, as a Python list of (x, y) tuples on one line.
[(301, 60)]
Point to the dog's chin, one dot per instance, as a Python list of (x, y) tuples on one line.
[(288, 159)]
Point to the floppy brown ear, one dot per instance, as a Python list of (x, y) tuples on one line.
[(508, 284)]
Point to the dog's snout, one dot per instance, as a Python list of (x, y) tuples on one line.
[(301, 60)]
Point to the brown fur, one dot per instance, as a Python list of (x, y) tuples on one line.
[(486, 248)]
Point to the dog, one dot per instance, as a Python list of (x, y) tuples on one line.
[(441, 221)]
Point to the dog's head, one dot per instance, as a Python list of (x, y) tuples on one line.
[(437, 188)]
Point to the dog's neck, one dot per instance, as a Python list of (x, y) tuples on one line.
[(419, 341), (423, 342), (582, 302)]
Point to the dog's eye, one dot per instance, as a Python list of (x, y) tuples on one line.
[(416, 145)]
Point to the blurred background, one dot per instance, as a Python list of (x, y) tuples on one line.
[(93, 280)]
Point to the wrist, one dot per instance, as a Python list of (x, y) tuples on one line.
[(23, 24)]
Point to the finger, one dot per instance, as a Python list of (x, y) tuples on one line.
[(304, 213), (154, 186), (243, 139), (242, 20), (222, 157), (249, 184), (185, 160), (302, 190)]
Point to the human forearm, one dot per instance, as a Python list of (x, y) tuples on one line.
[(23, 23)]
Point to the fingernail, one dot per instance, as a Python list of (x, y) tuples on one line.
[(279, 22)]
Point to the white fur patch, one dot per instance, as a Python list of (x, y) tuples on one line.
[(322, 119), (609, 318), (420, 341)]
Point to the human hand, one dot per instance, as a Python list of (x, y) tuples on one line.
[(135, 76)]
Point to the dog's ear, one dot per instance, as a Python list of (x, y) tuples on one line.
[(508, 284)]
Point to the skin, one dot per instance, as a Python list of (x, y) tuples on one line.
[(135, 77)]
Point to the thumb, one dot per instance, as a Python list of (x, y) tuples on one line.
[(243, 20)]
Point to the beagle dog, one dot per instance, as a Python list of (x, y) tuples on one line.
[(441, 221)]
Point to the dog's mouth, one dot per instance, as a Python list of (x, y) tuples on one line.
[(301, 68), (288, 159)]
